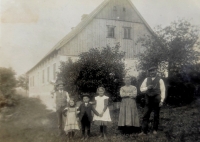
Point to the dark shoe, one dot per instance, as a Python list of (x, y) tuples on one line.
[(73, 133)]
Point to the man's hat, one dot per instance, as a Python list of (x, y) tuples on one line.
[(152, 68)]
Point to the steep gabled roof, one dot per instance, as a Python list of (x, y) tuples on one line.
[(83, 24)]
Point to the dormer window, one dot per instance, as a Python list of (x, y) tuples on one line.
[(111, 31)]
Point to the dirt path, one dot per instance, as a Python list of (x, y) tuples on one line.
[(29, 121)]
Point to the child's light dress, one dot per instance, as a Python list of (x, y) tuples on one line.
[(100, 104), (71, 123)]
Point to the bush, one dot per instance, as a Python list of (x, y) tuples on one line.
[(181, 90), (7, 87), (95, 68)]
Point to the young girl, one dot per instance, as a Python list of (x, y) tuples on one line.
[(128, 116), (71, 123), (102, 109)]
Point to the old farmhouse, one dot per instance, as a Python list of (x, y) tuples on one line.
[(112, 22)]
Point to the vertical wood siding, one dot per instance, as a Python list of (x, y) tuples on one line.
[(95, 36)]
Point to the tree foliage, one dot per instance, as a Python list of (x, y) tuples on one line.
[(95, 68), (22, 81), (171, 48), (7, 81), (7, 87), (174, 49)]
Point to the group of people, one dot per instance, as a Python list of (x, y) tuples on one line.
[(86, 113)]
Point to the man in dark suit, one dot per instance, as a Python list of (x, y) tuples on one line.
[(85, 115)]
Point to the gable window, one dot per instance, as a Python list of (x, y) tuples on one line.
[(127, 32), (111, 31)]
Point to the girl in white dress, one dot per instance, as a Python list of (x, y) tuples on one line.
[(103, 110)]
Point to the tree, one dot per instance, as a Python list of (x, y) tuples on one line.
[(23, 81), (95, 68), (171, 48), (7, 81)]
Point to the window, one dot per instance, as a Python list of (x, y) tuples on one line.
[(54, 71), (127, 32), (111, 31), (38, 78), (33, 80), (43, 76), (48, 74), (30, 82)]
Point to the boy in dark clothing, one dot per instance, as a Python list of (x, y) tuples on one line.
[(85, 115)]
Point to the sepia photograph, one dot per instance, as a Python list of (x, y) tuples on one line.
[(100, 70)]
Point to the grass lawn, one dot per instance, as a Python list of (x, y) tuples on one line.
[(29, 121)]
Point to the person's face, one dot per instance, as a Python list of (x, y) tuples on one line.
[(101, 92), (127, 81), (60, 87), (71, 103), (86, 99), (152, 73)]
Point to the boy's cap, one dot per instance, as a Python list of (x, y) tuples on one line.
[(85, 95), (152, 68)]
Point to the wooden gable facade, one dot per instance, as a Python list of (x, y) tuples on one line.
[(117, 22)]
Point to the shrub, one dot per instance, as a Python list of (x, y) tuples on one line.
[(7, 87), (180, 90), (95, 68)]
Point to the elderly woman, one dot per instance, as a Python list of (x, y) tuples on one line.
[(128, 116)]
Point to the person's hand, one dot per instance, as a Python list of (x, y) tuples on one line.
[(150, 87), (91, 103), (101, 114), (160, 104), (64, 113), (132, 97)]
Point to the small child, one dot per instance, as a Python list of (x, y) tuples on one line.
[(102, 108), (71, 123), (85, 115)]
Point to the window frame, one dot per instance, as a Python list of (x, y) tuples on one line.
[(43, 76), (109, 34), (128, 34), (48, 74)]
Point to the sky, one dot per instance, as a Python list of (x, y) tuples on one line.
[(30, 28)]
